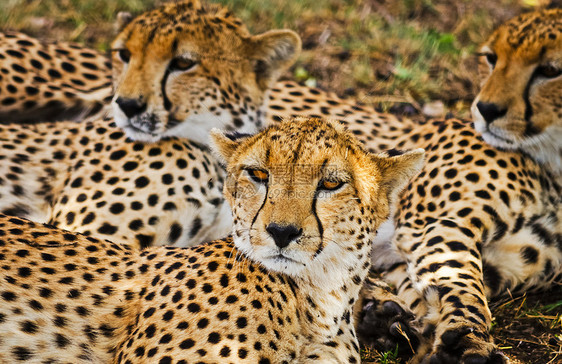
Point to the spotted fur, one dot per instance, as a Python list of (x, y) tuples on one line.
[(484, 215), (71, 298), (187, 67), (526, 115), (51, 81), (89, 177), (484, 218)]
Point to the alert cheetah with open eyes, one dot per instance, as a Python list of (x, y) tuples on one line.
[(307, 201), (494, 203)]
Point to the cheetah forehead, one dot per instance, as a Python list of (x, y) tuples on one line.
[(191, 18), (536, 31), (301, 140)]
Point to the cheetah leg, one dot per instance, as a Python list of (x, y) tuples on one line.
[(342, 348), (383, 321), (446, 270)]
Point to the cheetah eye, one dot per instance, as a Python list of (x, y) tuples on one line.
[(330, 185), (492, 59), (124, 55), (258, 175), (181, 64), (549, 71)]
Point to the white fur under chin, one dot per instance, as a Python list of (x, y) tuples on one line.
[(545, 148), (197, 127), (264, 255), (384, 254), (482, 128), (321, 271), (121, 121)]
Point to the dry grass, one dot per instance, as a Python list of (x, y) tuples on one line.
[(384, 52)]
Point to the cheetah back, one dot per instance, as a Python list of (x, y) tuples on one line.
[(51, 81)]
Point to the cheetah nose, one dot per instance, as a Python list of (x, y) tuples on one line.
[(283, 235), (131, 107), (490, 111)]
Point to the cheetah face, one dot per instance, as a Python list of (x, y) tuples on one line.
[(519, 105), (306, 196), (186, 68)]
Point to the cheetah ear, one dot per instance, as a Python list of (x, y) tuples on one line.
[(396, 171), (224, 145), (272, 53), (123, 19)]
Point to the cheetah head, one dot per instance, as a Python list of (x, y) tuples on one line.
[(185, 68), (307, 197), (520, 104)]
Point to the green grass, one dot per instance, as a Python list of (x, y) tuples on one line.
[(369, 355)]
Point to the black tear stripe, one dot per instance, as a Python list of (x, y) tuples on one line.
[(530, 130), (318, 250), (167, 103), (235, 188), (174, 47), (261, 207), (320, 227)]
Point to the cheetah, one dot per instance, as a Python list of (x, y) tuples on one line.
[(93, 178), (477, 201), (211, 72), (438, 236), (51, 81), (307, 201), (232, 84), (527, 115)]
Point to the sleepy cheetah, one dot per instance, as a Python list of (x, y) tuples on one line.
[(307, 201), (210, 73), (484, 217), (93, 179)]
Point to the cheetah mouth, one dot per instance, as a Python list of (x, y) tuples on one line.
[(280, 258), (502, 138), (487, 131), (132, 128)]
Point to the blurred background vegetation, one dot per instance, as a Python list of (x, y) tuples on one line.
[(405, 56), (394, 54)]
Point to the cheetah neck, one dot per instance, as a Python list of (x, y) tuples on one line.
[(546, 149), (328, 294)]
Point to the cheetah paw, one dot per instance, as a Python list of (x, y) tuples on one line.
[(466, 346), (386, 325)]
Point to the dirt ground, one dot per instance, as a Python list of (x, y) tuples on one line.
[(397, 55)]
